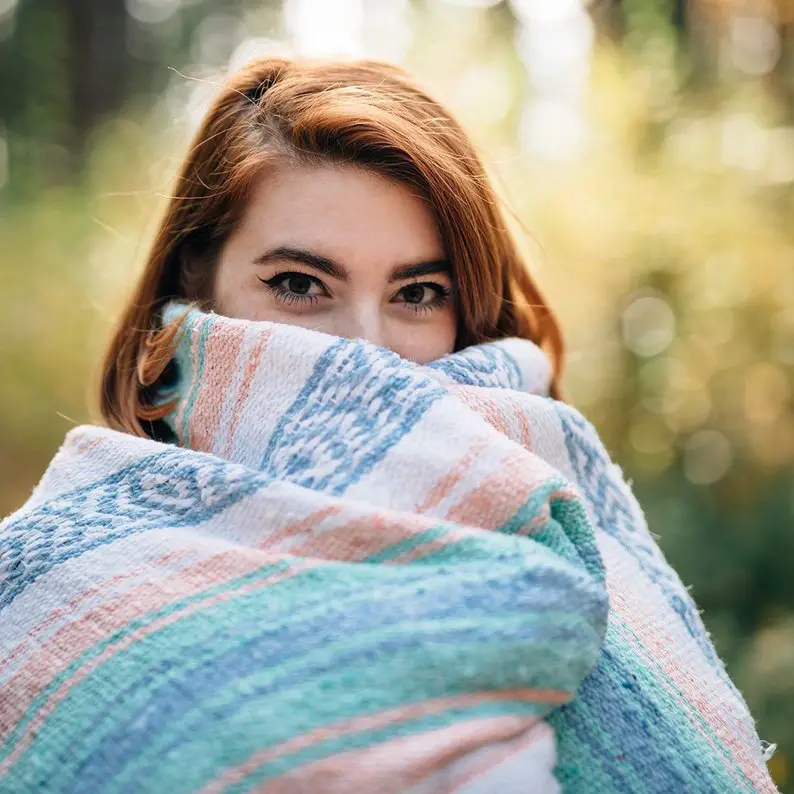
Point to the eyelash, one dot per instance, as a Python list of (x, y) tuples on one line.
[(276, 285), (442, 296)]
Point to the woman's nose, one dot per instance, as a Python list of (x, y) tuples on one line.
[(363, 321)]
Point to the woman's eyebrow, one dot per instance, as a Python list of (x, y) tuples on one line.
[(303, 257), (420, 269)]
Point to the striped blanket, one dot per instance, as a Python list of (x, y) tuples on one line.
[(352, 573)]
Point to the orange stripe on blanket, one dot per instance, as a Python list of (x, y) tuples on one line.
[(83, 442), (72, 606), (251, 367), (156, 625), (494, 407), (370, 722), (524, 431), (497, 756), (392, 766), (221, 350), (365, 535), (496, 498), (445, 485), (73, 639), (79, 636), (483, 406), (301, 527)]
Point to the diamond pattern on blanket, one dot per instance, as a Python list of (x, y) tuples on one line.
[(175, 488), (311, 447)]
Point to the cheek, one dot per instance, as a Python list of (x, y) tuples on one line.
[(229, 295)]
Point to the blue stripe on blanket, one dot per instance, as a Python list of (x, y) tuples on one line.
[(223, 679), (650, 743), (614, 515), (243, 645), (174, 488), (311, 447), (481, 366)]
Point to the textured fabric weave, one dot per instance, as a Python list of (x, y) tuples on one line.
[(352, 573)]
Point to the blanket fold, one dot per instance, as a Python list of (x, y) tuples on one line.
[(351, 572)]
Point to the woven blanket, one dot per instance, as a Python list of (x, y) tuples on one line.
[(352, 573)]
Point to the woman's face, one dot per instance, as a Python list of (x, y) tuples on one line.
[(342, 250)]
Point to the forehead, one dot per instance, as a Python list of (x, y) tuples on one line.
[(344, 212)]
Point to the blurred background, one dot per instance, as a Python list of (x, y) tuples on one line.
[(646, 145)]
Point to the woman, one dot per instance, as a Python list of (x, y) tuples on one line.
[(306, 141), (376, 556)]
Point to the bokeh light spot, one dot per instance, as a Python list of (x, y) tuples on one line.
[(707, 457), (755, 44), (648, 326), (151, 12)]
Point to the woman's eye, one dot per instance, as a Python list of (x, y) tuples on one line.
[(424, 296), (299, 283), (416, 293), (295, 287)]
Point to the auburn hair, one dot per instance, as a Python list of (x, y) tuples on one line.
[(366, 113)]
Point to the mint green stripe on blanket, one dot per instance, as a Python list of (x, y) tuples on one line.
[(242, 616), (196, 385), (662, 720), (266, 721), (138, 623), (408, 545), (87, 697)]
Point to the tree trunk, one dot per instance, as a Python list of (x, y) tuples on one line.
[(98, 63)]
